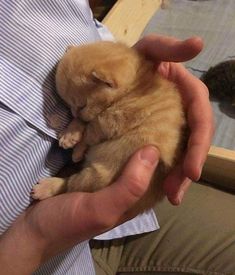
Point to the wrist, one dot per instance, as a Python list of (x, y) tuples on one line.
[(23, 245)]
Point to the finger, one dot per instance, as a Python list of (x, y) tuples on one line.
[(199, 115), (163, 48), (201, 122), (113, 202), (202, 128), (176, 185)]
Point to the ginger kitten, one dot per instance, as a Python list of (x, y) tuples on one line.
[(120, 104)]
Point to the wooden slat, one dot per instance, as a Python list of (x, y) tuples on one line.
[(220, 167), (128, 18)]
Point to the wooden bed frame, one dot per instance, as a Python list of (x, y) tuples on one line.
[(127, 20)]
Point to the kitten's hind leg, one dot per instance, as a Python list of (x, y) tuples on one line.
[(49, 187), (102, 166), (90, 179)]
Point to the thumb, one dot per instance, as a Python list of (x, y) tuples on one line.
[(136, 176), (163, 48), (115, 200)]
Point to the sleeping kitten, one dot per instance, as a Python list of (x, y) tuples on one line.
[(119, 104)]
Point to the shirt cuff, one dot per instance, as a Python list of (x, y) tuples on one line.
[(103, 31), (143, 223)]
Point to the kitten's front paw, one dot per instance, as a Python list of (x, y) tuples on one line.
[(42, 190), (47, 188), (69, 139)]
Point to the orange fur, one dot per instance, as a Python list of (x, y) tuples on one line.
[(120, 104)]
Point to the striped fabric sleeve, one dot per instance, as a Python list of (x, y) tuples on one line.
[(34, 35)]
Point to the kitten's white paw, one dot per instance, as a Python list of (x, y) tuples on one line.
[(48, 187), (42, 190), (69, 140)]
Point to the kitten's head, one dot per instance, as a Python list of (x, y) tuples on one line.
[(91, 77)]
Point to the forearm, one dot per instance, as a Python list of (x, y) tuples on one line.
[(21, 252)]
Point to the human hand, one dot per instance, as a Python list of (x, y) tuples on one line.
[(166, 52), (58, 223)]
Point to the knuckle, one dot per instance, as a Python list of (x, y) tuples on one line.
[(136, 185), (104, 222), (103, 219), (98, 217)]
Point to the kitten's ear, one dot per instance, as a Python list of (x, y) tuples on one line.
[(107, 80)]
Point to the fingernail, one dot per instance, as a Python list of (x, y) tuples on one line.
[(181, 196), (200, 169), (149, 155), (199, 173)]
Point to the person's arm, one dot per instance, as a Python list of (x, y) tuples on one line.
[(56, 224), (21, 250)]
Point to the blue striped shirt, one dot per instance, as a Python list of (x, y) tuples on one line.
[(34, 35)]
